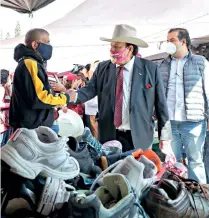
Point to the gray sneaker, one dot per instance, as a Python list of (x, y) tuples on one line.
[(115, 199), (150, 169), (134, 172), (40, 151)]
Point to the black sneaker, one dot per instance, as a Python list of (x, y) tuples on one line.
[(19, 195), (81, 153), (16, 193), (174, 196)]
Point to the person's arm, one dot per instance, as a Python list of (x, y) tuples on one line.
[(206, 85), (89, 91), (161, 109), (35, 94), (2, 92)]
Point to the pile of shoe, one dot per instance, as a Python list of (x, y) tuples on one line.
[(174, 196), (44, 175)]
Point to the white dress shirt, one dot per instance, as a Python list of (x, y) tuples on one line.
[(175, 97), (91, 107), (127, 80)]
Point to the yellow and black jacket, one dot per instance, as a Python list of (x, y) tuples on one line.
[(32, 102)]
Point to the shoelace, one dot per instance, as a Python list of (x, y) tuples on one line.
[(191, 185), (137, 203), (79, 197)]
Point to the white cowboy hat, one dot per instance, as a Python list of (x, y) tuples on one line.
[(126, 33)]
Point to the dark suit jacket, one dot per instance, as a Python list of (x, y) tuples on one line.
[(142, 102)]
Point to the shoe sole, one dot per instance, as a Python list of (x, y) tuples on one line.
[(30, 170), (48, 196)]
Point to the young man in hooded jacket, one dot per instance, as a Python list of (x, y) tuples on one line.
[(33, 101)]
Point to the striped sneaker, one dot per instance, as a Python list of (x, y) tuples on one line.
[(40, 151), (54, 194)]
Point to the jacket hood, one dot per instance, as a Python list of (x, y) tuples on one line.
[(21, 51)]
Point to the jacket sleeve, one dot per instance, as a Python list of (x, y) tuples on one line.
[(36, 95), (161, 109), (89, 91)]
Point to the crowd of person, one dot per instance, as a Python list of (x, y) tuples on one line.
[(118, 101)]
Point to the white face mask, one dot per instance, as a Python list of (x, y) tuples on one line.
[(171, 48)]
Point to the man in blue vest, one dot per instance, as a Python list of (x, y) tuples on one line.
[(186, 79)]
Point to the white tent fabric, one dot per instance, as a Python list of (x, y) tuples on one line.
[(75, 37)]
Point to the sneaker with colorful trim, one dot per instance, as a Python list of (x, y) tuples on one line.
[(40, 151)]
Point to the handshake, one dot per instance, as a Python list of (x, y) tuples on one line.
[(59, 87), (73, 95)]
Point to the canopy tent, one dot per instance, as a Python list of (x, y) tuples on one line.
[(25, 6), (75, 37), (199, 41), (199, 46)]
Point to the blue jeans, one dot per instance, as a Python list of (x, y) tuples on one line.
[(191, 136)]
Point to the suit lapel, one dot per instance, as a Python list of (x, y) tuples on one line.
[(137, 81)]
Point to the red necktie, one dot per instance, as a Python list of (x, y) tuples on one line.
[(119, 98)]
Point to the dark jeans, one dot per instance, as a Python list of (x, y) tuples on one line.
[(87, 121), (125, 139)]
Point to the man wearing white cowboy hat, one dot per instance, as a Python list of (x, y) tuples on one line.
[(128, 89)]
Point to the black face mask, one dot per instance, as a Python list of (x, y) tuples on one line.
[(45, 51)]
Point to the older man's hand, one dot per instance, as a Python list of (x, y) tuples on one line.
[(64, 109)]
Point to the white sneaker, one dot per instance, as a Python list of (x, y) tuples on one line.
[(134, 170), (40, 151), (150, 169), (54, 194)]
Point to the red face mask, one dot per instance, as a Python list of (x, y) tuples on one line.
[(118, 57)]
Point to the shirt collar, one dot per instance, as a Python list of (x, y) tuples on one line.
[(129, 65), (185, 57)]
